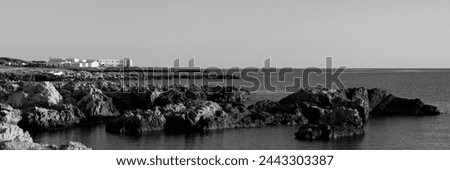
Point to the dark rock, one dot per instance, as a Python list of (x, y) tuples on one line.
[(170, 97), (269, 107), (135, 123), (311, 101), (192, 92), (225, 94), (376, 95), (314, 114), (36, 118), (394, 106), (258, 119), (311, 132), (311, 97), (131, 98), (359, 99), (337, 123), (240, 116), (287, 119)]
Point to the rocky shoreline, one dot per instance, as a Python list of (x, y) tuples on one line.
[(321, 114), (12, 137)]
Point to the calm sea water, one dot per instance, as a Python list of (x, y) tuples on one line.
[(432, 86)]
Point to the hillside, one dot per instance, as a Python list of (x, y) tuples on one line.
[(4, 60)]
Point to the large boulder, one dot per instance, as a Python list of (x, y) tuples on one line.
[(9, 115), (330, 114), (359, 100), (90, 99), (133, 98), (334, 113), (10, 132), (206, 115), (395, 106), (312, 100), (337, 123), (97, 104), (37, 118), (12, 137), (135, 123), (72, 92), (42, 94)]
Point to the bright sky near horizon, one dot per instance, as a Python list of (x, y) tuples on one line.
[(299, 33)]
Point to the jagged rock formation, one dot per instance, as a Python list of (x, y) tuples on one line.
[(395, 106), (334, 113), (12, 137), (322, 114), (37, 118), (205, 115), (138, 122), (9, 115), (97, 104), (333, 124)]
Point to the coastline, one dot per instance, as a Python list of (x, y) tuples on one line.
[(229, 112)]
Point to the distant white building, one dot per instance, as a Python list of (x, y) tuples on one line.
[(110, 62), (86, 63), (72, 62), (75, 62)]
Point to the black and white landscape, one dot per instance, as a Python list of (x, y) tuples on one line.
[(291, 75)]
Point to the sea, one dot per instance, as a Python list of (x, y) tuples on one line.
[(382, 133)]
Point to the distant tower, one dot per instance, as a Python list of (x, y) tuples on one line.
[(127, 62)]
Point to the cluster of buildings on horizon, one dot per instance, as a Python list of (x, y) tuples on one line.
[(88, 63)]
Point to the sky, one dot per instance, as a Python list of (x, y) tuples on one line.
[(226, 33)]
